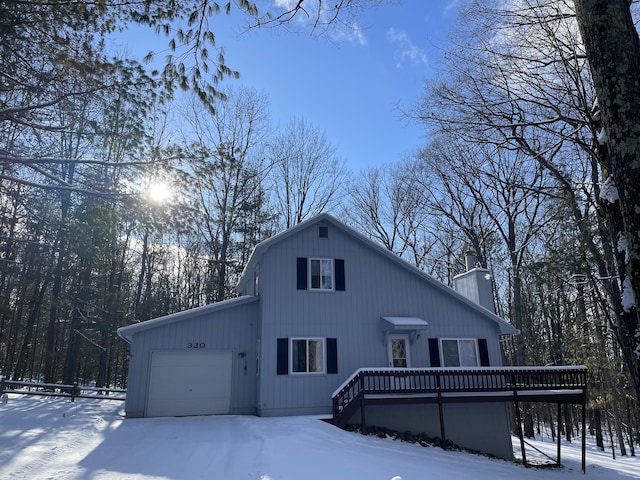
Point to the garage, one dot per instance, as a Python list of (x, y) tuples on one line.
[(191, 382)]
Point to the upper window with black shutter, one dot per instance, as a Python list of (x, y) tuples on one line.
[(320, 274)]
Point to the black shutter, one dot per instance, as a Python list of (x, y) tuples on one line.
[(434, 352), (283, 356), (332, 355), (339, 271), (302, 273), (484, 352)]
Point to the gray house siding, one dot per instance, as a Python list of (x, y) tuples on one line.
[(230, 328), (376, 296), (375, 286), (475, 426)]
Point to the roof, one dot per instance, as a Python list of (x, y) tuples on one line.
[(405, 323), (261, 249), (127, 333)]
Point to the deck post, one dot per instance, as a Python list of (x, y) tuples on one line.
[(559, 419), (520, 430), (362, 414), (584, 432), (443, 440), (441, 413)]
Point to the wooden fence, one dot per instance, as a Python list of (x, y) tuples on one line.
[(59, 390)]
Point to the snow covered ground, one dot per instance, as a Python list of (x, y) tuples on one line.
[(52, 438)]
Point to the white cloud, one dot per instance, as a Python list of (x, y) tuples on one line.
[(287, 4), (449, 7), (406, 50), (352, 33)]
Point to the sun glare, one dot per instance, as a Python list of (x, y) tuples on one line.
[(159, 192)]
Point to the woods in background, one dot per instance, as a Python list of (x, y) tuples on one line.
[(121, 201)]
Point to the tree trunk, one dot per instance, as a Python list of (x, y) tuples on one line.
[(617, 423), (597, 420), (28, 339), (138, 304), (568, 420), (69, 371), (613, 49), (529, 431)]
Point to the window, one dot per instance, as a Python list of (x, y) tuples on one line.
[(459, 353), (323, 231), (256, 283), (307, 355), (321, 274)]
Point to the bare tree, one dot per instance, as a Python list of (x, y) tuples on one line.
[(226, 170), (386, 204), (307, 176), (613, 49), (520, 79)]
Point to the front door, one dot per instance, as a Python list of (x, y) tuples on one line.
[(399, 351)]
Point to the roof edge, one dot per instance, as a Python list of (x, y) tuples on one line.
[(505, 328), (127, 332)]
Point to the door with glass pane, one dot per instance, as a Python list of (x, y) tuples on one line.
[(399, 351)]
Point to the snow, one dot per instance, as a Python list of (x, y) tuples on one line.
[(628, 295), (609, 191), (51, 438), (623, 247)]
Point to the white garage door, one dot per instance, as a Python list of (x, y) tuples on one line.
[(189, 383)]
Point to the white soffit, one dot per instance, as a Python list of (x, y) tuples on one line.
[(404, 323)]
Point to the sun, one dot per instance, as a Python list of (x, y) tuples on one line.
[(159, 192)]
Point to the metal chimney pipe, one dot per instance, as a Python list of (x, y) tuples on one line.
[(470, 260)]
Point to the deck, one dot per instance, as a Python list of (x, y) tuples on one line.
[(385, 386)]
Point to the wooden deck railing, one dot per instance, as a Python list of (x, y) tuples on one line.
[(438, 382)]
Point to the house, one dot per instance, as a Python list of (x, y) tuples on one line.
[(318, 302)]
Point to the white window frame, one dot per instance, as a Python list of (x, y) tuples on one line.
[(323, 349), (256, 283), (458, 340), (331, 263), (407, 347)]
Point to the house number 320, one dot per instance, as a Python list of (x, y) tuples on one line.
[(196, 345)]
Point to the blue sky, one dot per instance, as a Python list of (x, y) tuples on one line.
[(349, 86)]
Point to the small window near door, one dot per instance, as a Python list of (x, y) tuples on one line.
[(459, 352)]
